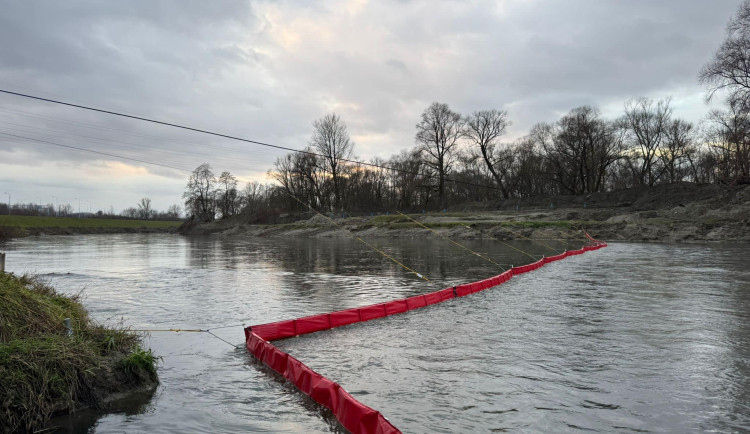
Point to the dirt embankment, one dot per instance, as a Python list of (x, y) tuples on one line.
[(7, 233), (682, 212)]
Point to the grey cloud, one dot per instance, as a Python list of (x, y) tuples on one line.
[(397, 64), (224, 66)]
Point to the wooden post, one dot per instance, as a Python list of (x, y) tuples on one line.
[(2, 263), (68, 326)]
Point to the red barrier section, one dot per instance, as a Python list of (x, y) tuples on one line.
[(371, 312), (313, 324), (296, 373), (361, 417), (276, 330), (276, 359), (464, 290), (326, 392), (416, 302), (345, 317), (396, 306), (506, 276), (446, 294), (433, 298), (352, 414)]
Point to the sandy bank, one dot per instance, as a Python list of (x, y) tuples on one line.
[(680, 212)]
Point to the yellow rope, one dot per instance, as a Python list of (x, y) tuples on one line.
[(390, 257), (588, 236), (531, 239), (184, 330), (421, 276), (567, 237), (513, 247), (168, 330), (495, 238), (552, 239), (457, 244)]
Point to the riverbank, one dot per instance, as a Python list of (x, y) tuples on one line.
[(680, 212), (43, 371), (22, 226)]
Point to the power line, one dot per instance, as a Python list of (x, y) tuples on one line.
[(97, 140), (226, 136), (118, 130), (96, 152)]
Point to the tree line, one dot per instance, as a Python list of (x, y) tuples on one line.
[(460, 158), (143, 210)]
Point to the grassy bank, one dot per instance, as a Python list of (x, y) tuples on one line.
[(13, 226), (28, 222), (44, 371), (456, 219)]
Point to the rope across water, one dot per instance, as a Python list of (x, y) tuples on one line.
[(176, 330), (396, 261)]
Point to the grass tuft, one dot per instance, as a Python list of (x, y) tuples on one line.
[(383, 220), (43, 371), (140, 362), (543, 224), (431, 225)]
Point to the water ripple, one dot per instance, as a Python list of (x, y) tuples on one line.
[(635, 337)]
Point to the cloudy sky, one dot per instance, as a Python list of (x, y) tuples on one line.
[(265, 70)]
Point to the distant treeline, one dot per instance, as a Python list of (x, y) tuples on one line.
[(460, 158), (143, 211)]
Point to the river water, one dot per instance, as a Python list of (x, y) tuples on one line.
[(633, 337)]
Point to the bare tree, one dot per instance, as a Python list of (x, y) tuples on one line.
[(331, 140), (529, 168), (703, 165), (404, 184), (228, 196), (200, 193), (284, 172), (301, 179), (645, 125), (65, 209), (678, 148), (144, 208), (730, 68), (579, 149), (729, 142), (174, 211), (131, 212), (483, 128), (438, 134), (255, 195)]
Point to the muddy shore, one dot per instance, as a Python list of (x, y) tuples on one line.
[(675, 213)]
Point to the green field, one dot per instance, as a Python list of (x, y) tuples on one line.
[(31, 222)]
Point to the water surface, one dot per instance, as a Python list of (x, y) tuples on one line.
[(633, 337)]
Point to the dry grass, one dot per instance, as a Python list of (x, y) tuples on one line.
[(42, 370), (26, 222)]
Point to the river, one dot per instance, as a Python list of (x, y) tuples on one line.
[(633, 337)]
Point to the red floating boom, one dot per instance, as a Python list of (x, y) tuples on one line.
[(352, 414)]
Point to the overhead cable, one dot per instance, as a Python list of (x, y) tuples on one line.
[(227, 136)]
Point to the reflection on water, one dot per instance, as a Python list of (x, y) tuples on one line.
[(632, 337), (131, 406)]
